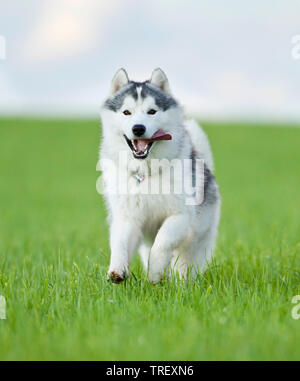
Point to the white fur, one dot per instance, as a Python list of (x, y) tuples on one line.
[(167, 233)]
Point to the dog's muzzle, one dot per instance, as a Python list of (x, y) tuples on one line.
[(141, 147)]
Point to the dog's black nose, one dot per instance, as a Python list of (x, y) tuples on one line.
[(138, 130)]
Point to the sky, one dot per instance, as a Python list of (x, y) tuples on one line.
[(224, 59)]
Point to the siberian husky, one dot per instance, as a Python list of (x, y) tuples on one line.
[(143, 123)]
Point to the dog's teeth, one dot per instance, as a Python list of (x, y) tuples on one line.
[(133, 145)]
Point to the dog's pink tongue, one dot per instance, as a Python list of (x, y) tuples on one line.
[(161, 135), (141, 144)]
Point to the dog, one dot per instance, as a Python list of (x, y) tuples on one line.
[(144, 123)]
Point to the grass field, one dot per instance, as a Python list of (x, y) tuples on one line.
[(54, 254)]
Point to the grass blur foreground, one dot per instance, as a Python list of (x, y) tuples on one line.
[(54, 254)]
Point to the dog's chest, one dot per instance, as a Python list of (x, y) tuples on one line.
[(146, 197), (149, 211), (148, 201)]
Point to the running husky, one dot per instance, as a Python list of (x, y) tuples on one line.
[(143, 121)]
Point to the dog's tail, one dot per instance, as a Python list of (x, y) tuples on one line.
[(200, 142)]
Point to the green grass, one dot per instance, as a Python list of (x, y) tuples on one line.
[(54, 254)]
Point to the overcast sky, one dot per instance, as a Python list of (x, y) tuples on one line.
[(224, 59)]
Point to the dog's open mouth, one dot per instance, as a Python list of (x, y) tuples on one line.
[(141, 147)]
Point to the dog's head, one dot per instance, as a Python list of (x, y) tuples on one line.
[(143, 113)]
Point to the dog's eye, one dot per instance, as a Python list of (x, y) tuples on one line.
[(151, 112), (126, 112)]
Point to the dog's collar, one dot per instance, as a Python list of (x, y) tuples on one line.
[(139, 178)]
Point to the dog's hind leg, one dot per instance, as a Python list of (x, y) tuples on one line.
[(182, 263), (173, 231), (190, 260), (144, 251), (204, 251), (194, 255)]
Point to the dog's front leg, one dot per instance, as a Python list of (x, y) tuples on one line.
[(124, 238), (169, 236)]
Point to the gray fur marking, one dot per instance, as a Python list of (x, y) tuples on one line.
[(163, 100), (210, 185), (115, 102)]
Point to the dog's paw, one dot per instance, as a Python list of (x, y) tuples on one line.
[(117, 276), (155, 278)]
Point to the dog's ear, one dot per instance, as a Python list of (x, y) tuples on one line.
[(119, 80), (159, 79)]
